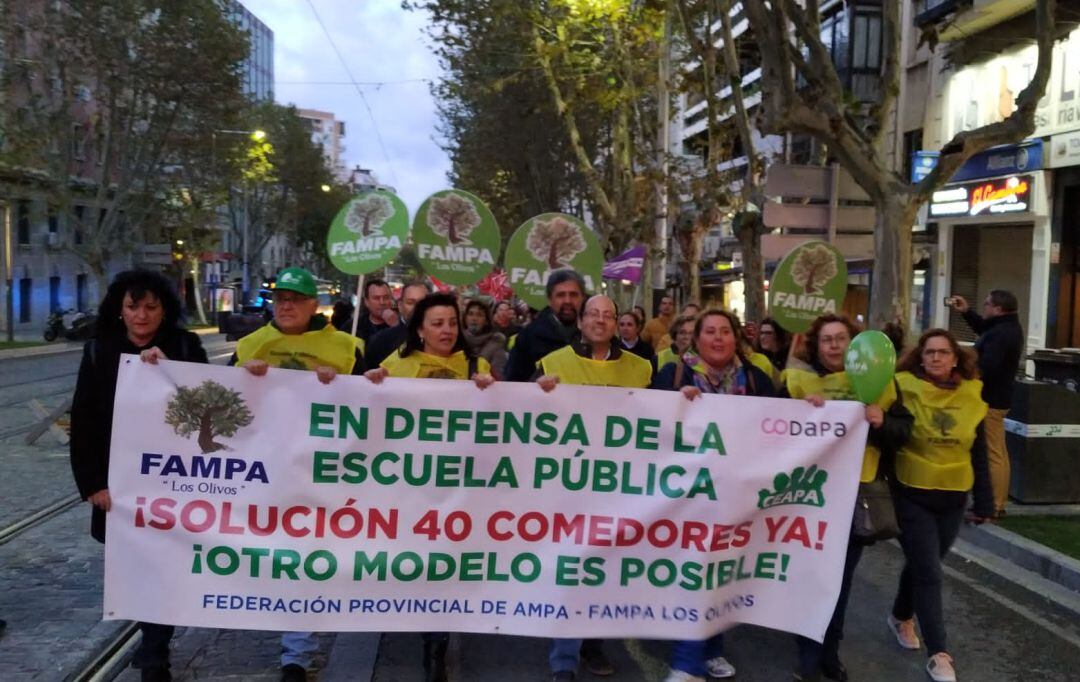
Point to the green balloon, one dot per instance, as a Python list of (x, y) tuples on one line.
[(870, 362)]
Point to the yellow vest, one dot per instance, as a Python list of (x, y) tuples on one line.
[(326, 347), (664, 358), (763, 363), (835, 386), (421, 365), (938, 455), (628, 370)]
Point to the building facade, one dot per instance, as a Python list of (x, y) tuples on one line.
[(258, 68), (328, 133)]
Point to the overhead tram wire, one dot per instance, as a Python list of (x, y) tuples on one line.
[(359, 90)]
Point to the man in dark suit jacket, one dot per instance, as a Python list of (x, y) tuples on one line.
[(1000, 347)]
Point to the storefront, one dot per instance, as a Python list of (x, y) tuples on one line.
[(1063, 307), (992, 224)]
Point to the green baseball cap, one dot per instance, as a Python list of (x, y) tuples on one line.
[(296, 279)]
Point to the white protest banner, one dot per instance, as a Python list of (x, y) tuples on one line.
[(281, 503)]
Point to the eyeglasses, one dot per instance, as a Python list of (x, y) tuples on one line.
[(841, 340), (937, 351), (597, 315)]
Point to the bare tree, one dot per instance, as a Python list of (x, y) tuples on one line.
[(802, 93)]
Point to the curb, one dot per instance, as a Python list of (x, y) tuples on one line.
[(34, 351), (1040, 559)]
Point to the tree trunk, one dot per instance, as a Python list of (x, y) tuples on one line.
[(753, 266), (890, 286), (199, 311), (693, 260), (206, 433)]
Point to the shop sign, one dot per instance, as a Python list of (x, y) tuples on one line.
[(987, 197), (1064, 150), (1004, 160)]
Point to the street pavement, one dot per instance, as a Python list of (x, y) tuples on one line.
[(51, 577)]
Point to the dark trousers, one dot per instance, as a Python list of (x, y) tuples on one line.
[(153, 651), (928, 526), (812, 655)]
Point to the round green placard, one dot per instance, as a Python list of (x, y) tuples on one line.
[(809, 282), (367, 232), (456, 237), (549, 242)]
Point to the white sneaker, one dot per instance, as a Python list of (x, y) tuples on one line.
[(904, 631), (719, 667), (681, 676), (939, 668)]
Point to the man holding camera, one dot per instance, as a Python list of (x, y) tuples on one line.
[(1000, 346)]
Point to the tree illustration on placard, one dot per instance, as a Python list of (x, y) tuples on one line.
[(454, 217), (555, 242), (210, 410), (813, 268), (367, 215), (943, 421)]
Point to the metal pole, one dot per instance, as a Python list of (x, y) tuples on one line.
[(244, 287), (359, 302), (10, 294)]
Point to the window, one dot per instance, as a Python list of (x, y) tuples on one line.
[(54, 221), (912, 144), (866, 53), (80, 292), (22, 221), (26, 288), (77, 228), (78, 142), (54, 294)]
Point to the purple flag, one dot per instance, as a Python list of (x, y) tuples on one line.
[(627, 265)]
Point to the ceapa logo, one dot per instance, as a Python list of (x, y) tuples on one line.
[(802, 486)]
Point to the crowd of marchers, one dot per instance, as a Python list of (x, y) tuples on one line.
[(940, 474)]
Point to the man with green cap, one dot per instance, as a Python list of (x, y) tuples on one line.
[(298, 338)]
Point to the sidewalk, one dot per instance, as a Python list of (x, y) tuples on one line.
[(1028, 554), (58, 347)]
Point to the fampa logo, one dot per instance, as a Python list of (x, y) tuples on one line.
[(211, 411), (802, 486)]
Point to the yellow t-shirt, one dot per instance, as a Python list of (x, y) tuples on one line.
[(836, 386), (628, 370), (938, 454), (326, 347), (655, 330), (421, 365)]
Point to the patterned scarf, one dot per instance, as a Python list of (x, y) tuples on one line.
[(730, 380)]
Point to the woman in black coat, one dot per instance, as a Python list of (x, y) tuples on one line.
[(140, 314)]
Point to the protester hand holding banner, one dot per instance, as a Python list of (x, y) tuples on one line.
[(281, 503)]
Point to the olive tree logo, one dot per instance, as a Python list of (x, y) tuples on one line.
[(209, 409), (453, 216), (367, 215), (813, 268), (943, 421), (555, 242)]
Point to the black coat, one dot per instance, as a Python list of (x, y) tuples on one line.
[(1000, 346), (544, 335), (366, 329), (383, 345), (641, 348), (92, 407)]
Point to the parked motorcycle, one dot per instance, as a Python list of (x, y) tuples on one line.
[(73, 325)]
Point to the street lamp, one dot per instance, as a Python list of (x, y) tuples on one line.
[(257, 135), (325, 188)]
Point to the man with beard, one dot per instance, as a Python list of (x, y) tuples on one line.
[(556, 325)]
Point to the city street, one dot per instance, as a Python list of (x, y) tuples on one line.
[(1004, 623)]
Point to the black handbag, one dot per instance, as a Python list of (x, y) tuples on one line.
[(875, 514)]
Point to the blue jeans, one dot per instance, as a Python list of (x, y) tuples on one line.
[(813, 655), (564, 655), (689, 655), (297, 648)]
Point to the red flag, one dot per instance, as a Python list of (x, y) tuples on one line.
[(496, 284)]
